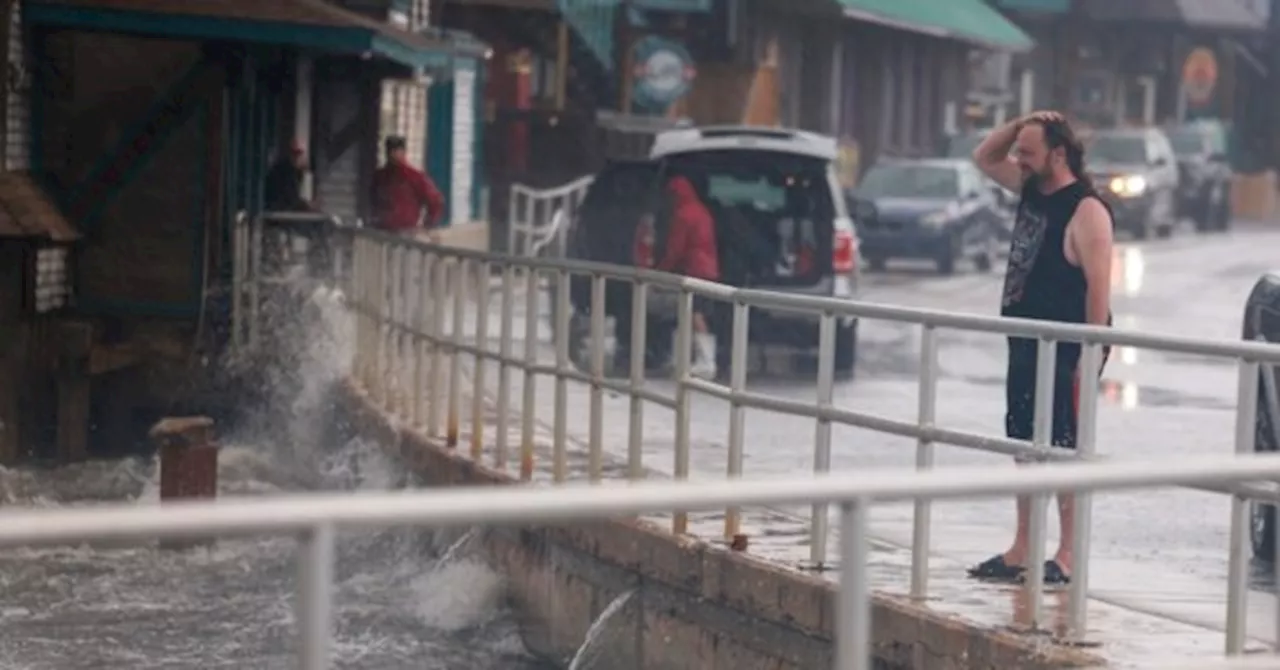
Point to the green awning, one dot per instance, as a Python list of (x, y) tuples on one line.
[(312, 24), (968, 20), (1038, 6)]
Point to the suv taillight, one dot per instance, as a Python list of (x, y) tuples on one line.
[(642, 250), (844, 252)]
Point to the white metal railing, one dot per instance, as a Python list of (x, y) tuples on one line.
[(412, 301), (538, 218), (315, 518)]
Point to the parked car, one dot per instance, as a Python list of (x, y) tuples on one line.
[(1262, 322), (960, 147), (1204, 174), (1137, 174), (781, 222), (938, 209)]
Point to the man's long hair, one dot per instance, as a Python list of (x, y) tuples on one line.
[(1058, 134)]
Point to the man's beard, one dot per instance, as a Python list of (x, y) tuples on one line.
[(1036, 177)]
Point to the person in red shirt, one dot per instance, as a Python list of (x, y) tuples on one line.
[(401, 192), (691, 251)]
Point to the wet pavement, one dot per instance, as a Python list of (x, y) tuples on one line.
[(1159, 558)]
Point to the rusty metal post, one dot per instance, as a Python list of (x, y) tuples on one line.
[(188, 463)]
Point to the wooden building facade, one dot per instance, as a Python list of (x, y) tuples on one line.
[(152, 126)]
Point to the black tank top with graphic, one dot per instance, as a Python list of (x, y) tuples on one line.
[(1040, 283)]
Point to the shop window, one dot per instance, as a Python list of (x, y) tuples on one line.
[(48, 278), (404, 113), (419, 14)]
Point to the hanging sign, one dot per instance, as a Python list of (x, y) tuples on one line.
[(663, 73), (1199, 75)]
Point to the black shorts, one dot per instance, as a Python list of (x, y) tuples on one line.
[(1020, 391)]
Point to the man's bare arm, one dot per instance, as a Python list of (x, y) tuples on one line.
[(1092, 241), (992, 156)]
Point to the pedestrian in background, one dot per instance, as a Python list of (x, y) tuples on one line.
[(691, 251), (1059, 270), (405, 200)]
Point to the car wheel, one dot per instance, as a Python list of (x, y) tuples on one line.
[(1262, 531), (876, 263), (1223, 215), (1262, 517), (846, 350), (986, 258), (946, 259)]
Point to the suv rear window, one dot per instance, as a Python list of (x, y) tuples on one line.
[(770, 208)]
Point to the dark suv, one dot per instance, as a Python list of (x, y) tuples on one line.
[(781, 225), (1204, 193), (1137, 174)]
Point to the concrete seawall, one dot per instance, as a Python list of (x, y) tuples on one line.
[(684, 603)]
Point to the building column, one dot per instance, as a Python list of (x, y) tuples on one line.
[(304, 94)]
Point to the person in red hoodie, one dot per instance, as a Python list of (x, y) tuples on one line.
[(691, 251), (401, 192)]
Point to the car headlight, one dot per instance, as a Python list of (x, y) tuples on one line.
[(1129, 186), (935, 218)]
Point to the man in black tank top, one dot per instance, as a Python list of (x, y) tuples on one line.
[(1059, 270)]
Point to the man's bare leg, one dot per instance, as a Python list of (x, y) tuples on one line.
[(1017, 554), (1067, 521)]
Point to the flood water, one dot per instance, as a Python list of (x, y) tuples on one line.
[(230, 605)]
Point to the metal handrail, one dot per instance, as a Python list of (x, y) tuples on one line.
[(411, 299), (317, 517), (543, 215)]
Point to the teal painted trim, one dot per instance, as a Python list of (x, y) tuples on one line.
[(440, 141), (351, 39), (400, 52), (328, 38), (593, 20)]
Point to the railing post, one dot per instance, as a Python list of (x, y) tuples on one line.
[(380, 313), (820, 523), (479, 381), (737, 413), (255, 281), (439, 305), (1042, 434), (314, 601), (639, 346), (530, 389), (504, 368), (420, 340), (595, 436), (1086, 446), (238, 268), (356, 303), (922, 521), (1238, 553), (459, 287), (561, 428), (395, 334), (853, 599), (683, 350)]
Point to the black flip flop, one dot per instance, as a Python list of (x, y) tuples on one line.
[(1054, 575), (996, 569)]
